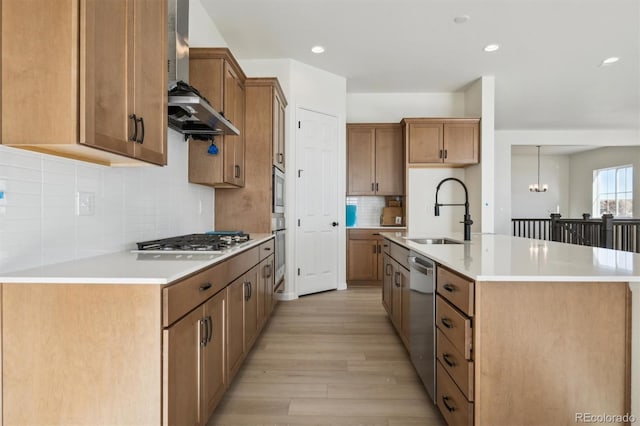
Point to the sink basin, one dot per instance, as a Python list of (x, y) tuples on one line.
[(434, 241)]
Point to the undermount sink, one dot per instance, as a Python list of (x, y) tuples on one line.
[(434, 241)]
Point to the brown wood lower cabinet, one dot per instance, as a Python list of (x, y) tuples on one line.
[(396, 291), (132, 353), (196, 377), (530, 352), (364, 257)]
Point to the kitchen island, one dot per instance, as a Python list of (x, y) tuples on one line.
[(131, 338), (528, 331)]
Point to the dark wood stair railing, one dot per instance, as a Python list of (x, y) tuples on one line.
[(606, 232)]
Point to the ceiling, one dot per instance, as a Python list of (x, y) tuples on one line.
[(547, 71)]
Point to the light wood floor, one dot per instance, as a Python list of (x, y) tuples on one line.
[(328, 359)]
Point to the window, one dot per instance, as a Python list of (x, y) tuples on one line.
[(613, 191)]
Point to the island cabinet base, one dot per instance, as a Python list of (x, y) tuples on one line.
[(81, 354), (545, 352)]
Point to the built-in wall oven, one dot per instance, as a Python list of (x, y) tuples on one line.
[(278, 225), (422, 283)]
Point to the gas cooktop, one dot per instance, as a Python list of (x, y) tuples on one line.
[(211, 242)]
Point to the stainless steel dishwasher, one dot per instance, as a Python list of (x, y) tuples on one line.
[(422, 283)]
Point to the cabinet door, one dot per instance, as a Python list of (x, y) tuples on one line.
[(250, 307), (235, 327), (380, 262), (265, 290), (234, 112), (361, 161), (214, 378), (396, 297), (405, 292), (183, 370), (278, 131), (387, 283), (107, 48), (425, 142), (150, 79), (389, 161), (362, 260), (461, 143)]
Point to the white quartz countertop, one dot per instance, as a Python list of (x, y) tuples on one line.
[(504, 258), (127, 267)]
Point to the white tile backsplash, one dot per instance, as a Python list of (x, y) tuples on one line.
[(39, 225), (368, 211)]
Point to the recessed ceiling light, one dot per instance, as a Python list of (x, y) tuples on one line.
[(462, 19), (317, 49), (609, 61), (491, 47)]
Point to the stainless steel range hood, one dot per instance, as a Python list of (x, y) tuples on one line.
[(189, 112)]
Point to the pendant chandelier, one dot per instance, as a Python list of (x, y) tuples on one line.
[(535, 187)]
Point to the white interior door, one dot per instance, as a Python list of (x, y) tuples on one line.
[(316, 202)]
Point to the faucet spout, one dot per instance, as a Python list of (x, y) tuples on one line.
[(467, 217)]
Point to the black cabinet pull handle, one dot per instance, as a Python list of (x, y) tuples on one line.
[(387, 271), (237, 169), (141, 140), (379, 249), (250, 289), (373, 186), (447, 359), (446, 322), (449, 287), (134, 136), (210, 328), (396, 279), (267, 248), (376, 186), (440, 154), (246, 290), (334, 224), (445, 401), (205, 286), (280, 157), (445, 154)]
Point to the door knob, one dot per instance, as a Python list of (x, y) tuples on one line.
[(334, 224)]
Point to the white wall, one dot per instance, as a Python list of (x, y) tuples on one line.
[(393, 107), (38, 224), (309, 88), (582, 166), (422, 221), (504, 139), (554, 171), (202, 31), (480, 179)]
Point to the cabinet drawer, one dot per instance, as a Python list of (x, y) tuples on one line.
[(180, 298), (454, 407), (364, 234), (400, 254), (456, 289), (267, 249), (454, 363), (455, 326)]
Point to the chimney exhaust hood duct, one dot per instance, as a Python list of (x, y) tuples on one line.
[(189, 112)]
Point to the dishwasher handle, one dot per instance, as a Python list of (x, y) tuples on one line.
[(415, 263)]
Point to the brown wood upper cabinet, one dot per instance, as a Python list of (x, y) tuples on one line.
[(279, 105), (217, 75), (375, 163), (264, 113), (452, 141), (103, 86)]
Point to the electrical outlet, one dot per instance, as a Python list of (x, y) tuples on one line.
[(85, 203)]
